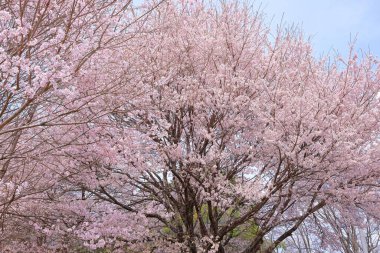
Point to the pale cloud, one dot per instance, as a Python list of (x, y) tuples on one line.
[(331, 23)]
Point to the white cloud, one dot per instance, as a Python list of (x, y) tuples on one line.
[(330, 23)]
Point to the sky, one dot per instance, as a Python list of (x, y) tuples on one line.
[(330, 23)]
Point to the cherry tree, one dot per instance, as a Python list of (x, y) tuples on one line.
[(59, 66), (237, 136), (184, 127)]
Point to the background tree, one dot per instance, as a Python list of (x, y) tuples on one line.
[(331, 231)]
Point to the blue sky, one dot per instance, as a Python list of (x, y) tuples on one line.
[(330, 23)]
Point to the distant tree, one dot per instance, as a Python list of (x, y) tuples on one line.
[(330, 231)]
